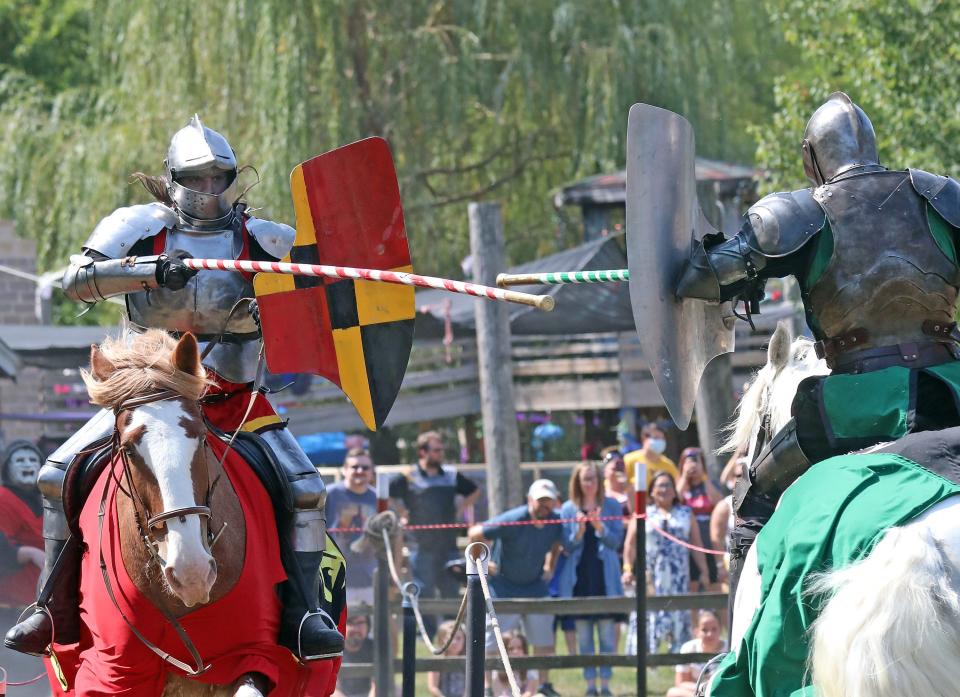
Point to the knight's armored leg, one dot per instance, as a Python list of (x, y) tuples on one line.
[(755, 496), (58, 607), (305, 628)]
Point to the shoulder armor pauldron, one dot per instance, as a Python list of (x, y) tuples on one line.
[(275, 238), (781, 223), (943, 193), (119, 231)]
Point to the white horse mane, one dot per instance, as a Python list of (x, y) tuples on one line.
[(891, 623), (772, 390)]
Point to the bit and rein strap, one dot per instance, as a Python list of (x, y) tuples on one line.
[(146, 534)]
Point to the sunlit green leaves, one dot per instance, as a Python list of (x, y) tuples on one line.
[(896, 60), (480, 99)]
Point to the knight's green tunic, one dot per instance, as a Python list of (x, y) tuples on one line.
[(830, 517)]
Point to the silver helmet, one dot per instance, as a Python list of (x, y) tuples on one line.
[(196, 149), (839, 137)]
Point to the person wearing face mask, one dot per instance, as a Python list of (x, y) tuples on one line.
[(654, 442), (21, 521)]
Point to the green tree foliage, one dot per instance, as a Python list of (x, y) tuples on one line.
[(899, 61), (480, 99), (45, 39)]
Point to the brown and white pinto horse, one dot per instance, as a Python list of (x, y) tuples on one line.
[(181, 527)]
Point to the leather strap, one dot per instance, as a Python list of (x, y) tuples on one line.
[(829, 349), (833, 350), (180, 513), (191, 671), (939, 329), (908, 355)]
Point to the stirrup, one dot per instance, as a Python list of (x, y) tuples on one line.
[(707, 673), (53, 627), (321, 656)]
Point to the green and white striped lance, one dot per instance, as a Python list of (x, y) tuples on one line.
[(562, 277)]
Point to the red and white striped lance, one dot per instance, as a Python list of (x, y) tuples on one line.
[(541, 302)]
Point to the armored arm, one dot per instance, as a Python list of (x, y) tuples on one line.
[(774, 229), (92, 277), (105, 268), (721, 269)]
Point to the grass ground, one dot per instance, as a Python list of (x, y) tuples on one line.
[(570, 682)]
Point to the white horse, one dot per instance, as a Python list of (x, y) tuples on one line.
[(891, 626)]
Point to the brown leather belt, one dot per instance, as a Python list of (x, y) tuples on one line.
[(908, 355), (829, 349), (843, 355)]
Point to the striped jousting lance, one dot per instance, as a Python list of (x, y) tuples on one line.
[(562, 277), (541, 302)]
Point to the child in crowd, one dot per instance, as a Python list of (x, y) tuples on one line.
[(527, 680), (707, 639), (452, 683)]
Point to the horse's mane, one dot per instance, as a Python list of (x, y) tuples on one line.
[(143, 364), (772, 390)]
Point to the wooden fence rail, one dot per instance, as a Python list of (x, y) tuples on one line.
[(595, 371), (553, 606), (448, 664), (569, 606)]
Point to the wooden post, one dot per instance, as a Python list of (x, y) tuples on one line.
[(714, 410), (500, 436)]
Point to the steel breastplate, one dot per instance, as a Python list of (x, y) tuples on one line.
[(887, 274), (206, 305)]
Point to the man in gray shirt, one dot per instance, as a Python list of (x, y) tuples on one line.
[(349, 504)]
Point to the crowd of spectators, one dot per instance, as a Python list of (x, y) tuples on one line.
[(581, 547)]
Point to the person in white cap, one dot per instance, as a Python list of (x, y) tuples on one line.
[(525, 556)]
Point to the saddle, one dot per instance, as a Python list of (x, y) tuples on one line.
[(82, 474), (937, 451)]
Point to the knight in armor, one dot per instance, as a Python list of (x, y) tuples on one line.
[(875, 254), (137, 252)]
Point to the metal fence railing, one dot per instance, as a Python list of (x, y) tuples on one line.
[(551, 606)]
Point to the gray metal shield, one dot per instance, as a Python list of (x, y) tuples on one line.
[(678, 337)]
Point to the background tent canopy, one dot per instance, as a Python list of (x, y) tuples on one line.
[(581, 308)]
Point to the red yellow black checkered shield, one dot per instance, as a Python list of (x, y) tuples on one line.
[(356, 333)]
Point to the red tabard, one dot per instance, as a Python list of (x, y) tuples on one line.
[(22, 528), (227, 405), (235, 635)]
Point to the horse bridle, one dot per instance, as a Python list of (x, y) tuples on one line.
[(141, 512)]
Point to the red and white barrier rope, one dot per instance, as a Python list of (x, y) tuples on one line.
[(549, 521)]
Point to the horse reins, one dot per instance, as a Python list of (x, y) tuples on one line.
[(141, 512)]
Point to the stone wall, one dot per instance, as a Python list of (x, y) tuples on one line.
[(17, 295), (18, 306)]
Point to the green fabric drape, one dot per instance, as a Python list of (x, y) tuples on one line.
[(831, 517)]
